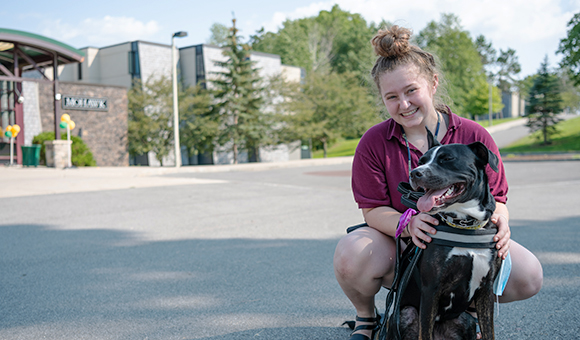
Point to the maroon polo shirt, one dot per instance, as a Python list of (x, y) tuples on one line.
[(381, 163)]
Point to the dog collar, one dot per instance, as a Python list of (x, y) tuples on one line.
[(471, 224)]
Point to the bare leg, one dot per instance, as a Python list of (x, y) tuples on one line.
[(364, 261), (526, 277)]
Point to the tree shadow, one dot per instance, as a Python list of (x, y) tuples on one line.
[(75, 283), (108, 284)]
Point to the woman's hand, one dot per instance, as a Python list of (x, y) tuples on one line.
[(418, 227), (502, 237)]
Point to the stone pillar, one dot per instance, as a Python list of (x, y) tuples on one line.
[(58, 153)]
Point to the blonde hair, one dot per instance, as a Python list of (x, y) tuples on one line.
[(394, 49)]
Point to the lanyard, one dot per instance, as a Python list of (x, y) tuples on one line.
[(407, 142)]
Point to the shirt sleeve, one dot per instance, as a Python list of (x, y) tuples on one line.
[(369, 185)]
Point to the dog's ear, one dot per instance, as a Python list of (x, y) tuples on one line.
[(482, 153), (432, 142)]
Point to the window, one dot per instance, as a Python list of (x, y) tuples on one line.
[(134, 69)]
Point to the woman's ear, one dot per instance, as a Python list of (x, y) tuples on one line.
[(435, 82)]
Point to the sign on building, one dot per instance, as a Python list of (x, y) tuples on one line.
[(84, 103)]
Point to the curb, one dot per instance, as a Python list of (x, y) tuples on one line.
[(541, 157)]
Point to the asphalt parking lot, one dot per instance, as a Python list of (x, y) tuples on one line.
[(242, 253)]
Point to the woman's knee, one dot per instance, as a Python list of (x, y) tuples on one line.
[(364, 252), (527, 274)]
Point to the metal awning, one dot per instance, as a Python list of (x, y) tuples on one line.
[(23, 51), (26, 51)]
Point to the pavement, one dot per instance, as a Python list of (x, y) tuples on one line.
[(233, 252)]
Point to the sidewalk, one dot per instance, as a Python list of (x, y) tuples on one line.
[(23, 181)]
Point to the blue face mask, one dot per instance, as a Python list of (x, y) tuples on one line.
[(503, 276)]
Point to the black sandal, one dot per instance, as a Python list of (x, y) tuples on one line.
[(374, 326)]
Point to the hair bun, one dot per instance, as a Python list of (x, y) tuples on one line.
[(392, 42)]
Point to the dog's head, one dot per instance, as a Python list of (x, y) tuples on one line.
[(454, 180)]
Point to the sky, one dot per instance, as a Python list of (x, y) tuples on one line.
[(533, 28)]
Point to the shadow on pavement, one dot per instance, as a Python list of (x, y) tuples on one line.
[(105, 284)]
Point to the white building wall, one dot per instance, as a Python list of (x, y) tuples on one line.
[(114, 65), (268, 64), (211, 54), (32, 121), (155, 61), (91, 67), (291, 73)]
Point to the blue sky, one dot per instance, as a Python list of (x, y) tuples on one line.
[(532, 27)]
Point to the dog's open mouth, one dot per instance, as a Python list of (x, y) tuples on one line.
[(435, 198)]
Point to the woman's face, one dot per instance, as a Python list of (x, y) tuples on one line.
[(408, 96)]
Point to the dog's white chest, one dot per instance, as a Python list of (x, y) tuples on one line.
[(481, 259)]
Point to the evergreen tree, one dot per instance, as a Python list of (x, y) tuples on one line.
[(544, 103), (238, 96)]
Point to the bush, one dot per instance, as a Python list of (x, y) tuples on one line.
[(81, 155)]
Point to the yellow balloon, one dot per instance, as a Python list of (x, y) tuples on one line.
[(9, 128), (15, 128), (14, 135), (65, 118), (71, 125)]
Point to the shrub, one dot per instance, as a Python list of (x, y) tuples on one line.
[(81, 154)]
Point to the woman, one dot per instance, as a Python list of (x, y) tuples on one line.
[(407, 79)]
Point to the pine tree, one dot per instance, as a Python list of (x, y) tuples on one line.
[(544, 103), (238, 94)]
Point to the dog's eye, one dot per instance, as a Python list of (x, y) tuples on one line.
[(446, 158)]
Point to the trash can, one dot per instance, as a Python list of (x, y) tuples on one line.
[(31, 155)]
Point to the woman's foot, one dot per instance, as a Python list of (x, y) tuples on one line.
[(364, 328)]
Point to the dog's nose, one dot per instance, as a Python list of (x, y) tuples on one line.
[(416, 174)]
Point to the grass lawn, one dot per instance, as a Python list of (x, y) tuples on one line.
[(339, 149), (567, 140)]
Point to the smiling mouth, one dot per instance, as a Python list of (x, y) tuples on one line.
[(407, 114), (438, 198)]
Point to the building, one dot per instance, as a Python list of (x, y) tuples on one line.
[(121, 64), (513, 105), (33, 97), (41, 79)]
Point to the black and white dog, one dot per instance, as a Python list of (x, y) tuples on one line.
[(460, 265)]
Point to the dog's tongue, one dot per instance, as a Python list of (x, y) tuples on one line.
[(426, 202)]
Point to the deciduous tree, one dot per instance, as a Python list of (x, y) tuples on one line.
[(570, 48)]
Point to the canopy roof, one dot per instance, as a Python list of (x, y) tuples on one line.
[(36, 49)]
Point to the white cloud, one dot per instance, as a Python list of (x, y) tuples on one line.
[(102, 31)]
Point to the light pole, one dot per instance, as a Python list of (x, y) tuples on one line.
[(179, 34)]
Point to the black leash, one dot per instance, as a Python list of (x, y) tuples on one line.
[(405, 267)]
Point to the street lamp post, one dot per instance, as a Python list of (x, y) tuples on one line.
[(179, 34)]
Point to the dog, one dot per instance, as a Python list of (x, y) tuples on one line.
[(452, 277)]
